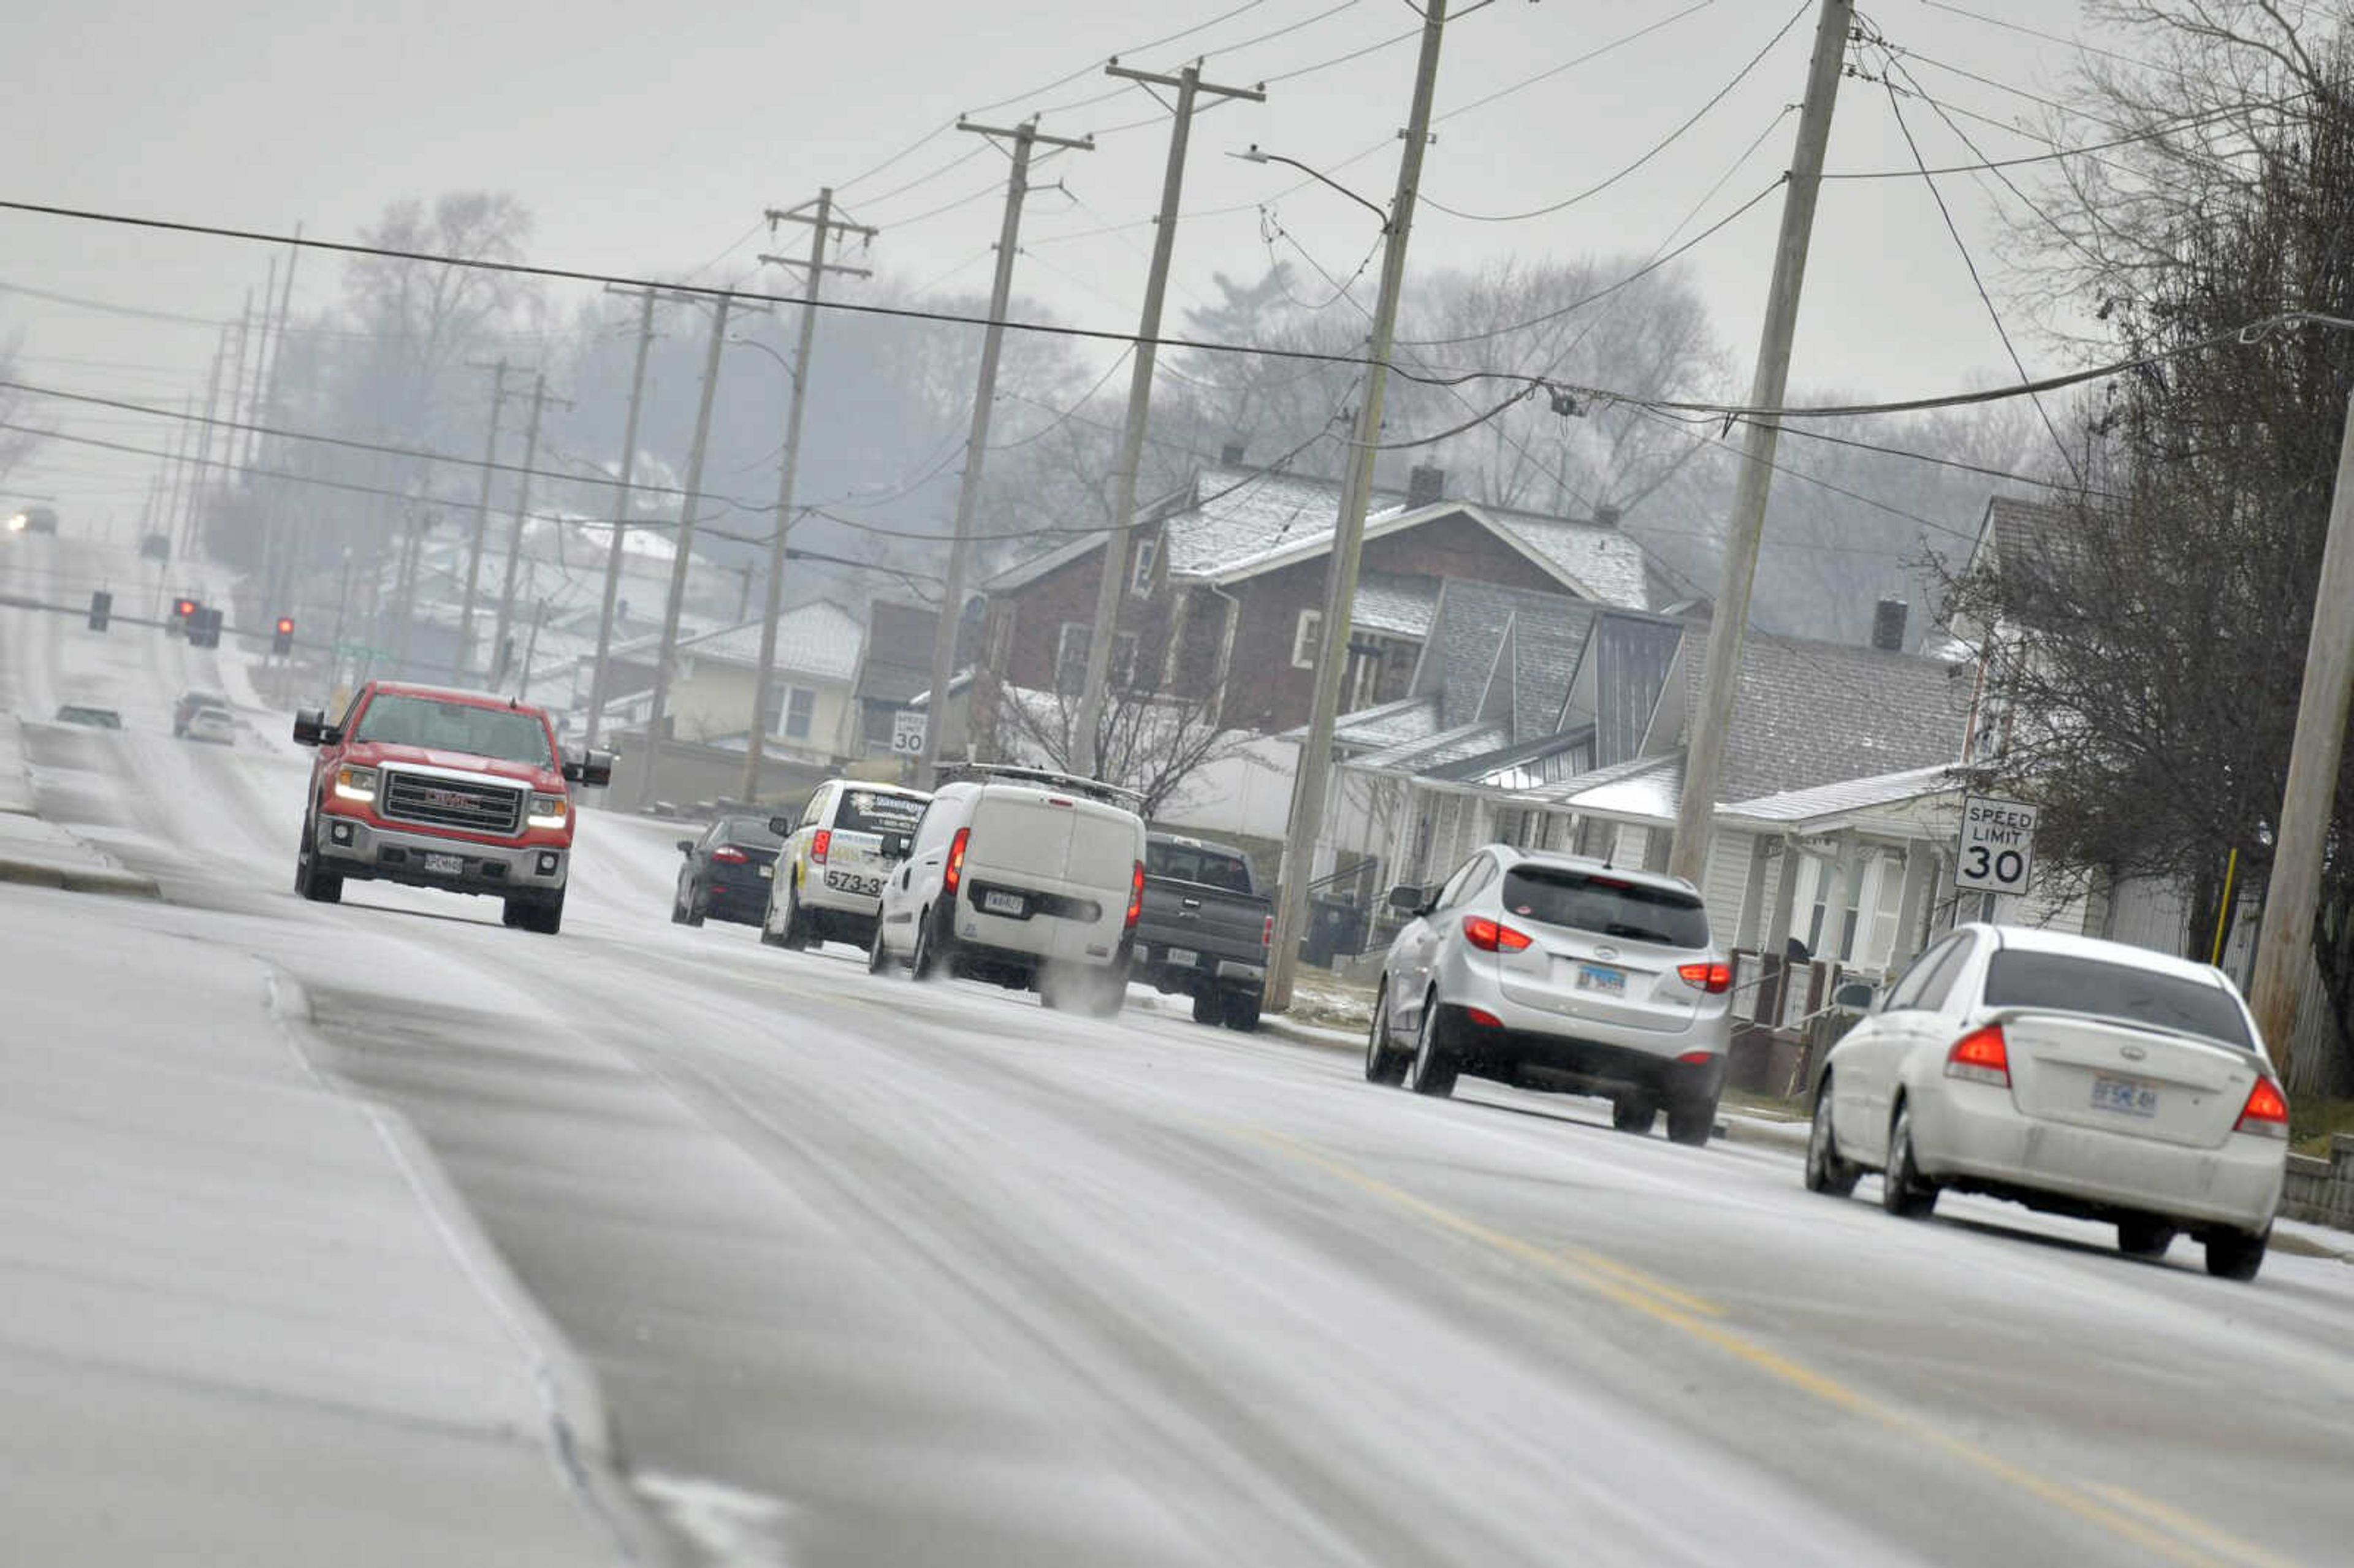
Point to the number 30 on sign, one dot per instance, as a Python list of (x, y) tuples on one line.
[(1997, 845)]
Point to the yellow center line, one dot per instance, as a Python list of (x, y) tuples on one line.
[(2122, 1514)]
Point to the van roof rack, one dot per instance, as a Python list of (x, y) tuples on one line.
[(1012, 773)]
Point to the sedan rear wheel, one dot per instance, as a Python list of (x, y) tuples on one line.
[(1903, 1190), (2144, 1238), (1432, 1071), (1384, 1063), (1826, 1173), (2235, 1254)]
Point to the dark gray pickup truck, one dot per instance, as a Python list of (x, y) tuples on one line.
[(1204, 929)]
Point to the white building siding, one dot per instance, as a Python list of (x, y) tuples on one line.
[(2149, 912), (1724, 885)]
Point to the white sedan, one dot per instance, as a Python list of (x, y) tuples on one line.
[(2071, 1074)]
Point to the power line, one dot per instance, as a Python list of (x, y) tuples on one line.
[(1657, 148)]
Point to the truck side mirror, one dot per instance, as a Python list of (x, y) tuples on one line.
[(311, 728), (783, 827), (1405, 900), (592, 768)]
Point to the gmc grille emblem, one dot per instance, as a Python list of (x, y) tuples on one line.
[(447, 797)]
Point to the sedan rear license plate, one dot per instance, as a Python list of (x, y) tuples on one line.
[(2129, 1095), (766, 872), (1002, 903), (1184, 957), (445, 866), (1600, 978)]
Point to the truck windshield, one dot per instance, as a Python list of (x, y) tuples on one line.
[(502, 734), (2066, 984), (1606, 905), (1221, 869)]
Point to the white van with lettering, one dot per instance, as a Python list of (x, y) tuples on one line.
[(1029, 879)]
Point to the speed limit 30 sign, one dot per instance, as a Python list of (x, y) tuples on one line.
[(1997, 847)]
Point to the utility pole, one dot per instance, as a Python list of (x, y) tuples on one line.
[(250, 408), (482, 519), (1112, 590), (822, 224), (405, 589), (1349, 534), (2285, 941), (1024, 136), (514, 537), (597, 677), (237, 383), (281, 552), (668, 654), (1729, 617), (201, 482)]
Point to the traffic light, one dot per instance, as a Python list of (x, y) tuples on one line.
[(283, 642), (102, 604), (204, 628), (184, 615)]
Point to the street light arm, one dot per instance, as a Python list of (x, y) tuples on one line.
[(1257, 155)]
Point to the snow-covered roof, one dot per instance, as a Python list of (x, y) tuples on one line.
[(1399, 606), (1391, 724), (819, 639), (1602, 559), (1849, 796), (1648, 789)]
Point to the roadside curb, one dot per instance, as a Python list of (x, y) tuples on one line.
[(79, 879), (1785, 1135), (580, 1434), (1278, 1024)]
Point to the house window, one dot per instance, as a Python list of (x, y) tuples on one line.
[(1147, 556), (1304, 639), (795, 711), (1071, 658)]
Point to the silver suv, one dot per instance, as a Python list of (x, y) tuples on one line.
[(1552, 971)]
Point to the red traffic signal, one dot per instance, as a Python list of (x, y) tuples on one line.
[(183, 608), (283, 642)]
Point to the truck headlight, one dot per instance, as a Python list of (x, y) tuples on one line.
[(550, 811), (355, 783)]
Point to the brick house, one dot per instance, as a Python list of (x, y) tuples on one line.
[(1225, 589)]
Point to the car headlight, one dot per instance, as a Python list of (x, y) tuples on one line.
[(18, 523), (355, 783), (550, 811)]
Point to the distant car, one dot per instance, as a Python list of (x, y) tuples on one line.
[(2068, 1073), (829, 881), (190, 703), (94, 718), (215, 725), (1552, 971), (1029, 879), (34, 520), (727, 873)]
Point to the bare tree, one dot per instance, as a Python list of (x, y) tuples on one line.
[(19, 439)]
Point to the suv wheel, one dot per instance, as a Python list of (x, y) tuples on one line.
[(1689, 1121), (1384, 1063), (1434, 1067), (1634, 1111)]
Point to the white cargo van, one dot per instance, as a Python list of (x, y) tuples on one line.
[(1028, 878)]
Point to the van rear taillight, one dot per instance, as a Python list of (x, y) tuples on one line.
[(1982, 1056), (1135, 896), (2266, 1113), (821, 841), (953, 873), (1713, 979)]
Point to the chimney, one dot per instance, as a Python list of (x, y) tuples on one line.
[(1231, 454), (1888, 626), (1605, 516), (1425, 486)]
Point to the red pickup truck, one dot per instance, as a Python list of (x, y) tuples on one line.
[(459, 791)]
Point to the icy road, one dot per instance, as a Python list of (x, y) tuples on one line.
[(871, 1274)]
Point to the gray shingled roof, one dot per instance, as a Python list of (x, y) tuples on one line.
[(1396, 606), (1605, 559), (2028, 537), (1809, 713), (1548, 630), (1391, 724)]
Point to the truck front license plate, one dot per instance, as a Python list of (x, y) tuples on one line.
[(445, 866)]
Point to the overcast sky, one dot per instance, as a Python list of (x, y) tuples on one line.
[(646, 142)]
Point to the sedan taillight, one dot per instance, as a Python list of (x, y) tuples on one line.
[(1713, 979), (1490, 937), (1982, 1056), (728, 854), (2266, 1113)]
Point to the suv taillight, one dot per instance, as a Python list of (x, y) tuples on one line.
[(821, 841), (1713, 979), (953, 873), (2266, 1113), (1982, 1056), (1490, 937)]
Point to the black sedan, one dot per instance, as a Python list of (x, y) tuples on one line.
[(727, 873)]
